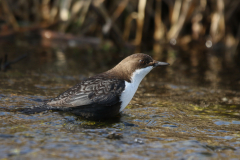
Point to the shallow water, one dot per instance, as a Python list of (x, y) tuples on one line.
[(177, 112)]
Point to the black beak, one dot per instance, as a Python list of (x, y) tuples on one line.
[(157, 63)]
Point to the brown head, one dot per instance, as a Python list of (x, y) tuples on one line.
[(136, 62)]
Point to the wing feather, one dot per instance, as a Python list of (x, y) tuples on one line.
[(91, 91)]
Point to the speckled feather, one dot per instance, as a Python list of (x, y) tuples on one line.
[(97, 90), (94, 98)]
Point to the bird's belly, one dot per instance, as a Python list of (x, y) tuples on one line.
[(127, 94), (97, 112)]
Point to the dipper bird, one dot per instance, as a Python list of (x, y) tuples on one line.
[(104, 95)]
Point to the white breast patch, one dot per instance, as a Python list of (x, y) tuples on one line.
[(131, 88)]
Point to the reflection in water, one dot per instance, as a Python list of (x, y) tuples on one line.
[(61, 59), (205, 67)]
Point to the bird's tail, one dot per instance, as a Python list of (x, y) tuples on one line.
[(36, 109), (31, 110)]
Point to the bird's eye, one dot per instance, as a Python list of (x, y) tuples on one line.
[(142, 62)]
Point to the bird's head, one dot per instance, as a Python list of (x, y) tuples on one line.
[(137, 65)]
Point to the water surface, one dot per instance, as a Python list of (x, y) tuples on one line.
[(184, 111)]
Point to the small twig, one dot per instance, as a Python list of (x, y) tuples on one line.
[(64, 14), (114, 32), (176, 28), (84, 12), (127, 26), (45, 10), (176, 11), (54, 11), (7, 64), (159, 29), (217, 28), (119, 10), (140, 21)]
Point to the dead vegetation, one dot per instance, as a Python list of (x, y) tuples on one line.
[(140, 23)]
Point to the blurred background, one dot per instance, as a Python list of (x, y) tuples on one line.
[(199, 38), (188, 110)]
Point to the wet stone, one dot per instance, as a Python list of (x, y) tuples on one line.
[(6, 136), (138, 140), (130, 124), (114, 135)]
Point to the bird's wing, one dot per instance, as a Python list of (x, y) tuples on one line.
[(91, 91)]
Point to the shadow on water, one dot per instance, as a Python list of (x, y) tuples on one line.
[(189, 110)]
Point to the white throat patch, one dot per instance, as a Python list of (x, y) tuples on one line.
[(131, 88)]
